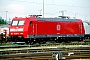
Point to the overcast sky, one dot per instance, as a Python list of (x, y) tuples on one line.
[(24, 8)]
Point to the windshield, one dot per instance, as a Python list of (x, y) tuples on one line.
[(21, 22), (17, 22), (14, 23)]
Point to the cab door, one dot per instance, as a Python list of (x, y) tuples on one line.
[(34, 28), (80, 28), (31, 28)]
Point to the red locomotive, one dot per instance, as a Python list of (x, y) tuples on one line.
[(34, 29)]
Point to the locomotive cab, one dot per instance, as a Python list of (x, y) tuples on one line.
[(19, 28)]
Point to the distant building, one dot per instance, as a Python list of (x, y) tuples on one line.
[(4, 27)]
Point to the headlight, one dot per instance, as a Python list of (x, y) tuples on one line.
[(21, 33), (11, 33)]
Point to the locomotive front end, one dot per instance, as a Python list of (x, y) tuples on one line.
[(16, 27), (16, 30)]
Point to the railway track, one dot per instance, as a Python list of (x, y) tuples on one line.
[(28, 52), (42, 45)]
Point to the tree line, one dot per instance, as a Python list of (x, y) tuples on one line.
[(2, 21)]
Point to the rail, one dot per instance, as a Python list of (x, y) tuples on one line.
[(33, 56), (67, 52), (80, 44), (23, 52)]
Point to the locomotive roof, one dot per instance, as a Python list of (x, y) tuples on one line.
[(57, 19)]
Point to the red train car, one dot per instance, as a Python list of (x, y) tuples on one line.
[(35, 29)]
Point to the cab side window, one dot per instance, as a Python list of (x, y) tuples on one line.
[(31, 23)]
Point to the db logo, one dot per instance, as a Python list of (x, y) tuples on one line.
[(58, 27)]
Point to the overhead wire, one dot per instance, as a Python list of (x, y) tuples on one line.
[(48, 4), (51, 4)]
